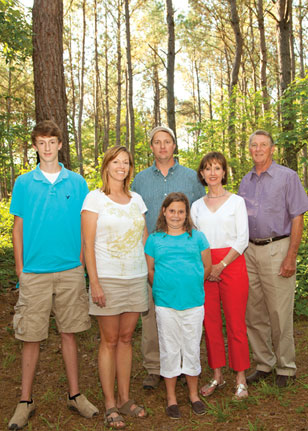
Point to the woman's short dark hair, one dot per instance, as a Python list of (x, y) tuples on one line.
[(161, 225), (208, 159)]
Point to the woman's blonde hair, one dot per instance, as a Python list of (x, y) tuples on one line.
[(161, 224), (110, 155)]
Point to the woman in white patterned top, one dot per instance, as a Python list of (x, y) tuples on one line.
[(114, 233)]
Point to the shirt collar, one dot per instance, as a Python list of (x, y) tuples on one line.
[(155, 168), (270, 170), (39, 176)]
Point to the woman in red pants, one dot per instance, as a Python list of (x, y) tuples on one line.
[(222, 217)]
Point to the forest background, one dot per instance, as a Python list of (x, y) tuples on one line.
[(108, 71)]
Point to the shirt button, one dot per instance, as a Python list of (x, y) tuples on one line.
[(165, 194), (165, 180)]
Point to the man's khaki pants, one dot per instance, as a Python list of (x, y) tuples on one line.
[(269, 315), (149, 342)]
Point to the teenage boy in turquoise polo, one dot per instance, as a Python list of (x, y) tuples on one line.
[(46, 204)]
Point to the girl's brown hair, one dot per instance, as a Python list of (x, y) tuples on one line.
[(161, 225), (110, 155), (208, 159)]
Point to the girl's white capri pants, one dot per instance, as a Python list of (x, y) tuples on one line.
[(179, 334)]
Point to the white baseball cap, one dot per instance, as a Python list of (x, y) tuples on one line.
[(161, 129)]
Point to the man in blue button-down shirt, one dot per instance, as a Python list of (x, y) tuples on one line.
[(154, 184)]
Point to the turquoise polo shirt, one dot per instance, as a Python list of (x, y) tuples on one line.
[(51, 219), (178, 269)]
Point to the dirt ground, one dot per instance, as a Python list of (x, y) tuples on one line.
[(267, 407)]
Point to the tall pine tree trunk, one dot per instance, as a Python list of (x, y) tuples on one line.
[(119, 75), (130, 80), (285, 71), (235, 22), (263, 56), (49, 83), (170, 68)]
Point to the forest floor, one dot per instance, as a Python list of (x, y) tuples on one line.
[(267, 408)]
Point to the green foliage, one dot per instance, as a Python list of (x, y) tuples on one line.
[(301, 292), (6, 226), (15, 31), (7, 273)]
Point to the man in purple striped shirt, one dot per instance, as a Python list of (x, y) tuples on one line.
[(276, 202)]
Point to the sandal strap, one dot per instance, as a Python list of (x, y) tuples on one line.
[(240, 388), (127, 410), (111, 410)]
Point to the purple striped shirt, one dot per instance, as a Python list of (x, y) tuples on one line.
[(272, 199)]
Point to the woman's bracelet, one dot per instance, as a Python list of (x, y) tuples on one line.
[(224, 263)]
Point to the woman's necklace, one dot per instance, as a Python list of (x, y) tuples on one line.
[(215, 197)]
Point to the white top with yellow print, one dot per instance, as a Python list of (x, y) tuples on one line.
[(118, 246)]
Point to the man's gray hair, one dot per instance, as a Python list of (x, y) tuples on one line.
[(261, 132)]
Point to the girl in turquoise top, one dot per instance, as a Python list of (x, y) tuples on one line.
[(179, 261)]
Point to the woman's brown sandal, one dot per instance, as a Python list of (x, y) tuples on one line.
[(135, 412), (114, 421)]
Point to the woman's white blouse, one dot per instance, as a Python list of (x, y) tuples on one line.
[(118, 245), (226, 227)]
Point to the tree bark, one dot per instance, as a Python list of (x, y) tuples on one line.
[(156, 85), (235, 22), (170, 68), (81, 89), (73, 90), (130, 80), (49, 83), (97, 87), (285, 70), (119, 75), (107, 109), (300, 18), (263, 55)]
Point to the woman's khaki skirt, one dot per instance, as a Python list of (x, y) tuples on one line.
[(122, 296)]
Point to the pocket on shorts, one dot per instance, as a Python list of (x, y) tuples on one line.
[(19, 323)]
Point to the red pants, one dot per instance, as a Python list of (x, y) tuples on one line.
[(232, 291)]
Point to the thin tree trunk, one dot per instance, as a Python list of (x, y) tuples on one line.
[(130, 80), (157, 117), (107, 110), (119, 74), (49, 82), (73, 90), (170, 68), (96, 93), (285, 70), (302, 75), (292, 52), (8, 126), (263, 55), (25, 159), (81, 92), (235, 22), (127, 134)]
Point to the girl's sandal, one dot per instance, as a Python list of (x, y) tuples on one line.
[(113, 422), (209, 389), (241, 392)]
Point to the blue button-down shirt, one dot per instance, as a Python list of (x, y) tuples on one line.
[(153, 186)]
